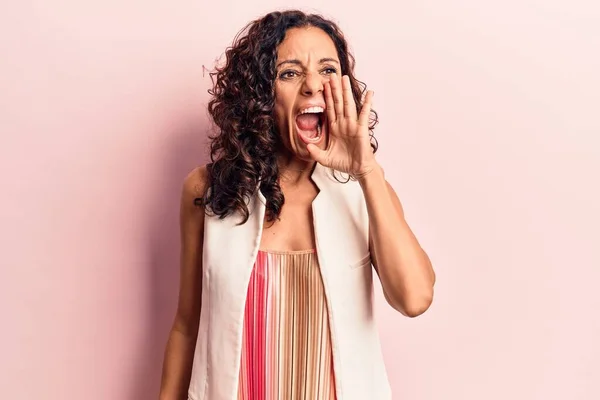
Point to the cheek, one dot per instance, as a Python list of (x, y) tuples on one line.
[(284, 100), (281, 113)]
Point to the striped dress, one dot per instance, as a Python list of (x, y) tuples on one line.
[(286, 344)]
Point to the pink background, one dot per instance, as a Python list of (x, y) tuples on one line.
[(489, 132)]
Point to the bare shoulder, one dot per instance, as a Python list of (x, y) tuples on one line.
[(195, 184)]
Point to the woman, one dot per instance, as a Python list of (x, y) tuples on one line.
[(292, 213)]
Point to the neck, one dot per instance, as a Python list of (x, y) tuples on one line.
[(293, 169)]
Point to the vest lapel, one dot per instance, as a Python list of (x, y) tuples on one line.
[(230, 251)]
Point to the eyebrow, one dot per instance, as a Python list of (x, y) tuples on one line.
[(298, 62)]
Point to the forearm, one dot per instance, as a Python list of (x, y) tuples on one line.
[(404, 268), (177, 366)]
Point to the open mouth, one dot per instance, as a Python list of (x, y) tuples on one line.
[(310, 124)]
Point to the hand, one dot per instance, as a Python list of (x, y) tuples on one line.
[(349, 145)]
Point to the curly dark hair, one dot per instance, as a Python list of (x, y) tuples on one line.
[(244, 150)]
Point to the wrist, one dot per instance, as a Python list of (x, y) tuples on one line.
[(369, 174)]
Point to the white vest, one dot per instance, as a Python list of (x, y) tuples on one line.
[(341, 226)]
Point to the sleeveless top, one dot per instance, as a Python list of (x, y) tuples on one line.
[(230, 250), (286, 344)]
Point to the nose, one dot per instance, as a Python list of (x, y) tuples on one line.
[(313, 84)]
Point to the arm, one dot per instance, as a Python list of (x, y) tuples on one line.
[(405, 271), (403, 267), (179, 353)]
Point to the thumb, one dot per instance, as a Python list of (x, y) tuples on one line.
[(316, 153)]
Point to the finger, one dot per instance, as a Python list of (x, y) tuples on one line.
[(363, 119), (317, 154), (349, 104), (338, 101), (329, 105)]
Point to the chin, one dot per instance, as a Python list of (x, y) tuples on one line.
[(300, 144)]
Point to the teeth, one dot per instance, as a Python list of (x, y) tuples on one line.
[(319, 129), (312, 110)]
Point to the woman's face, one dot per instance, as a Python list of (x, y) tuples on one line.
[(305, 59)]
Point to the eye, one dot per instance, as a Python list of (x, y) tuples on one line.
[(330, 70), (288, 74)]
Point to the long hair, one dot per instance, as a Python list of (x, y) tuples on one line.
[(245, 147)]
